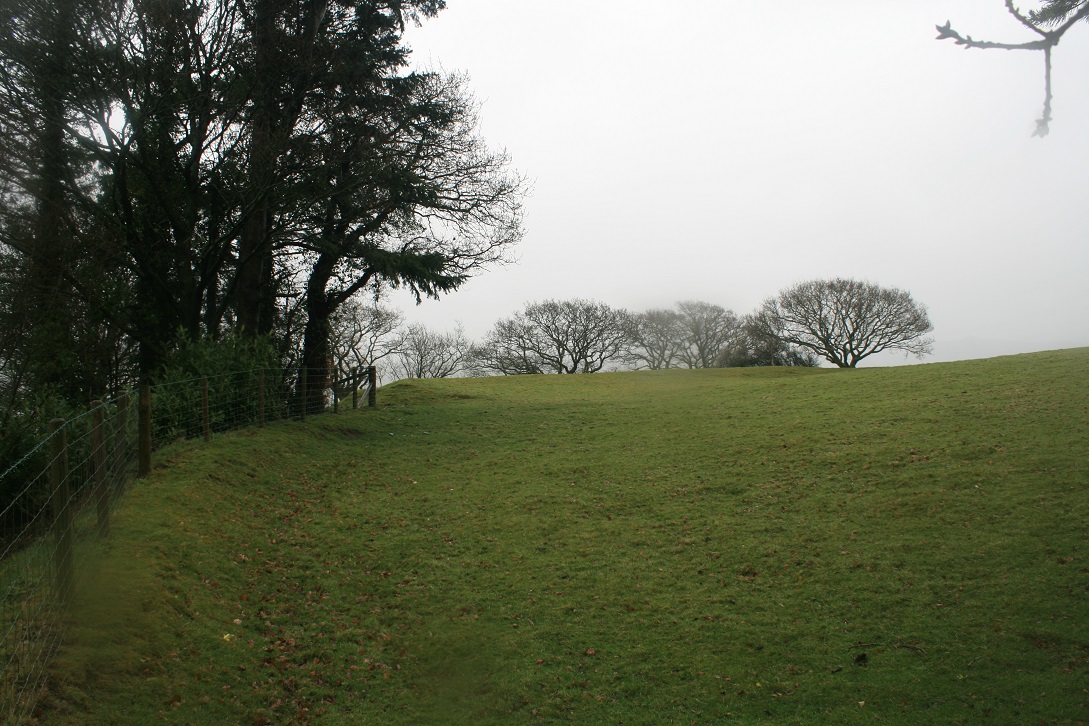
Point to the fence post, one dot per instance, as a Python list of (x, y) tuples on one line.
[(261, 397), (205, 422), (372, 385), (120, 442), (62, 515), (355, 389), (98, 464), (144, 434)]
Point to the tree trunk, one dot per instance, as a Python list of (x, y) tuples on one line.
[(316, 344), (315, 360), (49, 296), (255, 290), (255, 294)]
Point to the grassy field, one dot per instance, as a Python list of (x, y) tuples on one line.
[(894, 545)]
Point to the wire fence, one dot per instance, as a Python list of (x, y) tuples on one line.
[(58, 498)]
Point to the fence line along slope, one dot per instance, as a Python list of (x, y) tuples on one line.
[(56, 498)]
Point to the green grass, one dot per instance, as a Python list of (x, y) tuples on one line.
[(894, 545)]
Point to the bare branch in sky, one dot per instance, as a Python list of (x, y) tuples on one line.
[(1070, 12)]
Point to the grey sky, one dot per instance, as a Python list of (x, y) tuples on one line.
[(721, 150)]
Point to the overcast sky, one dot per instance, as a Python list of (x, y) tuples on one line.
[(721, 150)]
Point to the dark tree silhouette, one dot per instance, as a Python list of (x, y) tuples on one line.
[(398, 191), (755, 347), (302, 53), (198, 165)]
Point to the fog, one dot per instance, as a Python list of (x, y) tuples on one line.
[(721, 151)]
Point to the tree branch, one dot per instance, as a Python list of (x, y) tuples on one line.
[(946, 32), (1048, 40)]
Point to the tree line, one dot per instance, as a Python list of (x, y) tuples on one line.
[(191, 171), (841, 321), (181, 175)]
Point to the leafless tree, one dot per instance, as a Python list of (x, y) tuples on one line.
[(509, 349), (568, 336), (845, 321), (1050, 23), (655, 339), (708, 330), (425, 353), (363, 335)]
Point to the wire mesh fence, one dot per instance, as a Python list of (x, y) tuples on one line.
[(58, 497)]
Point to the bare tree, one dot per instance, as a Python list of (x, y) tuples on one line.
[(655, 339), (509, 349), (1058, 15), (569, 336), (845, 321), (363, 335), (708, 331), (425, 353)]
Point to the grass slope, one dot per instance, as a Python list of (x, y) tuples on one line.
[(897, 545)]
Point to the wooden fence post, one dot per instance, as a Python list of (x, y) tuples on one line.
[(62, 515), (205, 421), (355, 389), (120, 442), (98, 464), (144, 434), (261, 397), (372, 385)]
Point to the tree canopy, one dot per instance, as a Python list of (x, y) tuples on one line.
[(708, 331), (845, 321), (213, 165), (556, 336)]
